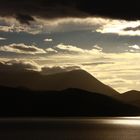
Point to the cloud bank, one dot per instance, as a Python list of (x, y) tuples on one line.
[(25, 10)]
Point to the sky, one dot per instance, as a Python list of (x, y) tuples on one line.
[(61, 36)]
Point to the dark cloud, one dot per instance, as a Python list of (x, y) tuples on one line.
[(25, 10), (96, 63), (24, 19), (132, 28)]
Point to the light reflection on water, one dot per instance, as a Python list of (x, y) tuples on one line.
[(125, 121), (82, 120), (103, 128)]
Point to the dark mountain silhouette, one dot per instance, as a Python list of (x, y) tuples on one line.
[(16, 102), (73, 79), (131, 97)]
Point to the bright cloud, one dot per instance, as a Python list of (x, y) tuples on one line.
[(51, 50), (1, 38), (22, 49), (48, 39), (74, 49), (119, 27), (135, 47)]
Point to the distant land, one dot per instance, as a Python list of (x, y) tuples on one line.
[(132, 97), (73, 93), (17, 102), (79, 79)]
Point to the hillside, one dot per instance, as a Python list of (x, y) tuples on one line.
[(131, 97), (15, 102), (73, 79)]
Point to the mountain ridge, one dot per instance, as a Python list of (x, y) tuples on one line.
[(17, 102), (131, 97), (72, 79)]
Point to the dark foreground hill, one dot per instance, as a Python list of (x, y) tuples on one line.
[(15, 102)]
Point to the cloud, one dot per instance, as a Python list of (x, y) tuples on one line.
[(10, 24), (95, 24), (74, 49), (17, 66), (58, 69), (70, 24), (132, 28), (24, 19), (120, 27), (22, 49), (74, 8), (1, 38), (136, 47), (48, 39), (51, 50), (69, 48)]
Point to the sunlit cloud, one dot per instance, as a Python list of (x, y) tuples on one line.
[(2, 38), (18, 65), (95, 24), (119, 27), (22, 49), (48, 40), (51, 50), (74, 49), (135, 47)]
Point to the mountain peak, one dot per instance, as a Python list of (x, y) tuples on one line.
[(79, 79), (132, 92)]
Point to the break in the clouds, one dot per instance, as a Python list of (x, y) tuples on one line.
[(22, 49)]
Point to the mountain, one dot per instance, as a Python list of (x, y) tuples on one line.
[(73, 79), (18, 102), (131, 97)]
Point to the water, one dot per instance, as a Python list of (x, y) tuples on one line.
[(111, 128)]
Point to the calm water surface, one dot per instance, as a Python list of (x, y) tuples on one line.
[(111, 128)]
